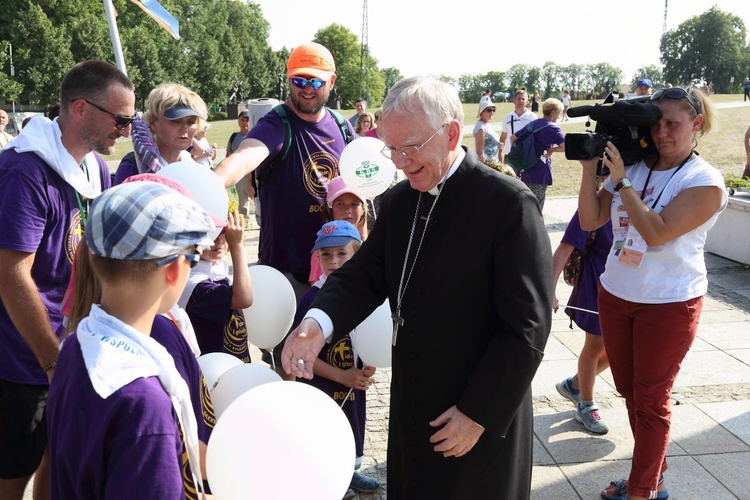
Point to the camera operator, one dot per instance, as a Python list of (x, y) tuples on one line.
[(655, 277)]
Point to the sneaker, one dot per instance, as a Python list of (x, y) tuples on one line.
[(565, 388), (349, 494), (364, 484), (589, 417)]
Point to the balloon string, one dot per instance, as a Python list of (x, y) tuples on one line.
[(346, 398), (584, 310)]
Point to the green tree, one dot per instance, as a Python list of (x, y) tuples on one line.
[(347, 54), (390, 77), (710, 47), (551, 78), (604, 77), (10, 89), (517, 76), (573, 79)]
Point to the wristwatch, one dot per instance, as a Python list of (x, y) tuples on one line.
[(624, 183)]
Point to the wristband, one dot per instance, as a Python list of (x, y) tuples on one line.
[(52, 364)]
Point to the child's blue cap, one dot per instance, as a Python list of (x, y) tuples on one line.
[(336, 233), (645, 82)]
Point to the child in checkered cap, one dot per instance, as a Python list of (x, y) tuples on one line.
[(117, 406)]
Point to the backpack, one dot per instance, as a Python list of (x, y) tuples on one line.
[(522, 154), (267, 175)]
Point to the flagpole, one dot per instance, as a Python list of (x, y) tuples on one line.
[(114, 35)]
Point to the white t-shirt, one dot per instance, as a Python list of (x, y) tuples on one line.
[(519, 122), (676, 270)]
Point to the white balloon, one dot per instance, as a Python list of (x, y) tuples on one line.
[(214, 365), (206, 188), (270, 317), (371, 340), (238, 380), (278, 441), (364, 169)]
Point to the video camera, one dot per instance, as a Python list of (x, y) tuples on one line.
[(626, 123)]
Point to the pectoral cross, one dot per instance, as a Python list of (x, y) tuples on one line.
[(397, 321)]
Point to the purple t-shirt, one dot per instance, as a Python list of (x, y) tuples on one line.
[(125, 169), (293, 193), (339, 355), (543, 140), (218, 328), (123, 447), (39, 214), (591, 268), (169, 335)]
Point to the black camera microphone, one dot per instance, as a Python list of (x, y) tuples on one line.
[(577, 111)]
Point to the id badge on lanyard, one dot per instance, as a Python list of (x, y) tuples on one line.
[(633, 248)]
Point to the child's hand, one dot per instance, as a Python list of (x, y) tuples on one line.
[(356, 379), (235, 230)]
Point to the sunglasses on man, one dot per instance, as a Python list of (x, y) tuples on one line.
[(302, 83)]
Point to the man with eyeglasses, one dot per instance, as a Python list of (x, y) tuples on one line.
[(293, 182), (462, 254), (48, 176), (244, 191)]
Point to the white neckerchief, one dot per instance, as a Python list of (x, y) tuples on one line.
[(178, 315), (116, 354), (44, 138), (204, 270)]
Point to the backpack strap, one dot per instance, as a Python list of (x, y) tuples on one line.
[(280, 111)]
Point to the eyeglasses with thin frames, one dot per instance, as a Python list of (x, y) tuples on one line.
[(407, 150), (674, 93), (194, 258), (121, 122), (302, 83)]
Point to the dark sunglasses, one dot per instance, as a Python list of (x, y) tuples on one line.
[(302, 83), (194, 258), (121, 122), (674, 93)]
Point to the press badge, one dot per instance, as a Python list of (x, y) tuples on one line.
[(633, 249)]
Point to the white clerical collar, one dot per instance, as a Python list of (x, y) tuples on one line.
[(459, 158)]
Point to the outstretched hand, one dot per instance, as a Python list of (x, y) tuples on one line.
[(301, 349)]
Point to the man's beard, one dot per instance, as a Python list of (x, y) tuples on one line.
[(311, 108), (95, 142)]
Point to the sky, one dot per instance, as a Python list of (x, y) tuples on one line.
[(473, 37)]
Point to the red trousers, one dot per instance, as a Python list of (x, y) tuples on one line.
[(646, 344)]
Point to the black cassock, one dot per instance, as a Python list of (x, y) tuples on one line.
[(477, 314)]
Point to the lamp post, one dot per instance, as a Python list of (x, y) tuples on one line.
[(12, 74)]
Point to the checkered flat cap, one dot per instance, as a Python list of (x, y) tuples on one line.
[(145, 220)]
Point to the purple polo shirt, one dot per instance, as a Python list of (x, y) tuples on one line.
[(292, 196), (544, 139), (39, 214)]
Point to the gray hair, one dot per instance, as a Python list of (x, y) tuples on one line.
[(438, 100)]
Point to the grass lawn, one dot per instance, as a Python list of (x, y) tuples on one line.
[(722, 147)]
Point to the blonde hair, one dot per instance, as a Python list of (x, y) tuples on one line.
[(168, 95), (551, 105)]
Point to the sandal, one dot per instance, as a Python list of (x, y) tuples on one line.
[(618, 489)]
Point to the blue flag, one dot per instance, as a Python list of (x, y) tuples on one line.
[(159, 14)]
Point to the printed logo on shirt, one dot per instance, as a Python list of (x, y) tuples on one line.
[(340, 354), (235, 336), (73, 236), (624, 221), (207, 406), (319, 168)]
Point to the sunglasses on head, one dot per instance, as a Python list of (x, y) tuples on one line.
[(194, 258), (674, 93), (302, 83), (121, 122)]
